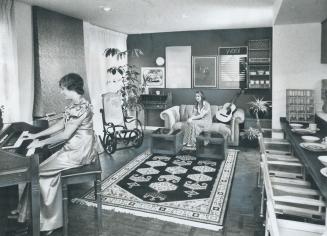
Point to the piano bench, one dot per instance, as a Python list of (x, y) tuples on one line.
[(86, 173)]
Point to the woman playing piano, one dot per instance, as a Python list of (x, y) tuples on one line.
[(76, 130)]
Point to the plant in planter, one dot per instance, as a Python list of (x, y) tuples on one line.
[(131, 86), (250, 136), (258, 108)]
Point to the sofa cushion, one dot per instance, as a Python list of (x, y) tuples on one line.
[(221, 128), (185, 112), (214, 109), (178, 125)]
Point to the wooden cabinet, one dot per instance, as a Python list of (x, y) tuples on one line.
[(153, 106), (324, 42), (259, 64)]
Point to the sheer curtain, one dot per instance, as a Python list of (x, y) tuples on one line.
[(9, 84), (96, 40)]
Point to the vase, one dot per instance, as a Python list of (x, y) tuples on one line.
[(146, 90), (253, 143)]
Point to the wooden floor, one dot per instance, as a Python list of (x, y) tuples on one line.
[(241, 218)]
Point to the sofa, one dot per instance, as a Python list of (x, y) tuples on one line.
[(175, 116)]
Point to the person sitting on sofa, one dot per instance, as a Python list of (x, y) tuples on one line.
[(200, 119)]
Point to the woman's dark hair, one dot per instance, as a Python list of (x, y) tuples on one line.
[(73, 82), (202, 97)]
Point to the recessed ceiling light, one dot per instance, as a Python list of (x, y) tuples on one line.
[(185, 16), (106, 8)]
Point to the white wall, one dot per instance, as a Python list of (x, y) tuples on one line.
[(25, 61), (296, 64)]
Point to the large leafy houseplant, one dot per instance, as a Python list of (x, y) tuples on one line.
[(131, 86)]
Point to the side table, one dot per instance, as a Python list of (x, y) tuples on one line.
[(215, 148), (165, 141)]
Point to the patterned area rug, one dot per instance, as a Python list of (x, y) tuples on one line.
[(181, 189)]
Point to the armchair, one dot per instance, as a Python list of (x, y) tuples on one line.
[(176, 115)]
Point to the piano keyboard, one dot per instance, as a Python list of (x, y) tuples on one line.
[(18, 142)]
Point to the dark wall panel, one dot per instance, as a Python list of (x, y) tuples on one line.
[(202, 43), (58, 50)]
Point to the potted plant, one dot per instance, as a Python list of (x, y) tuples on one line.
[(259, 107), (131, 86), (250, 137)]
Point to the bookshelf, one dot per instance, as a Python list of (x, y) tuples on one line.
[(300, 105), (259, 64)]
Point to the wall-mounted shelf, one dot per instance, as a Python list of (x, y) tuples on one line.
[(259, 64), (259, 76)]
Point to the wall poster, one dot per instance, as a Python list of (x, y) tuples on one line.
[(153, 76), (232, 67), (204, 71), (178, 67)]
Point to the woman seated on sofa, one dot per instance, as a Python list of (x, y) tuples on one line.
[(200, 119)]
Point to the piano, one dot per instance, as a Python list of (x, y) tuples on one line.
[(21, 165)]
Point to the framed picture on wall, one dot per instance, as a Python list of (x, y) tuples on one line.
[(154, 77), (204, 71), (232, 66)]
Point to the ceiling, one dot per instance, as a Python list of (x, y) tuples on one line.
[(301, 11), (151, 16)]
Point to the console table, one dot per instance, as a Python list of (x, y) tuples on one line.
[(154, 104), (308, 158)]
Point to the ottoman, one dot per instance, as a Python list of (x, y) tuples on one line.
[(165, 141), (211, 145)]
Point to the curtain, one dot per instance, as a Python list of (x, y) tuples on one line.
[(9, 84), (96, 40)]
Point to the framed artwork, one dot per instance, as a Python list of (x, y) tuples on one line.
[(204, 71), (232, 67), (154, 77)]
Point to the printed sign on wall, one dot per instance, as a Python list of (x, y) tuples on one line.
[(232, 67)]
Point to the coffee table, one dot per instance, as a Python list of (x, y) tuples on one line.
[(166, 141), (211, 145)]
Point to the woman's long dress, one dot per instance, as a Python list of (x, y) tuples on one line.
[(79, 150), (193, 129)]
